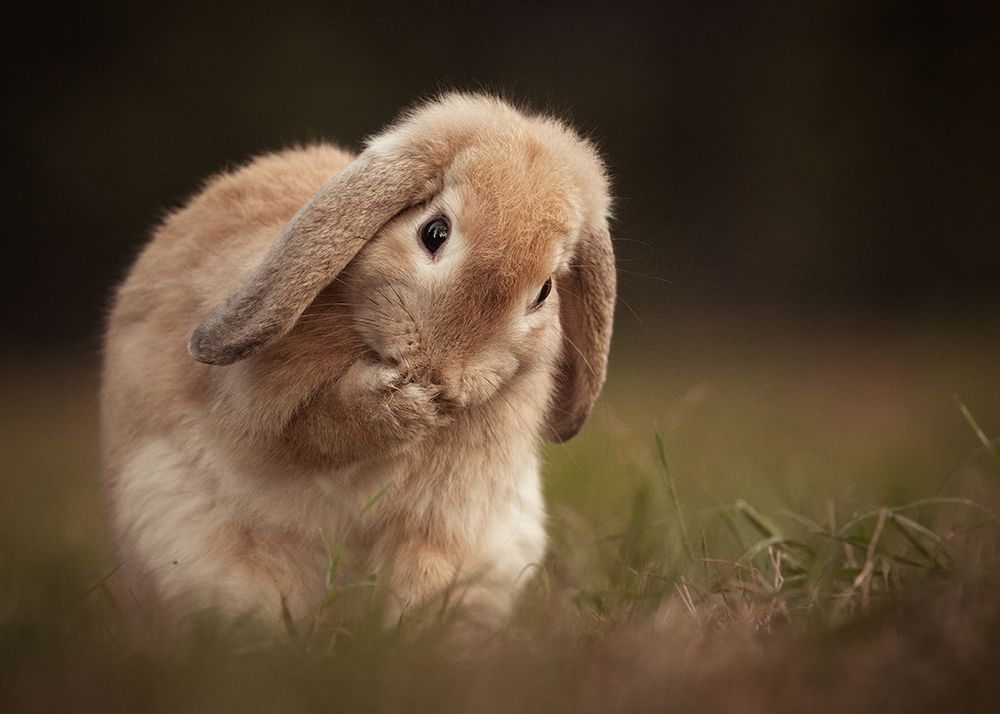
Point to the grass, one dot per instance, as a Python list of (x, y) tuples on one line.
[(755, 520)]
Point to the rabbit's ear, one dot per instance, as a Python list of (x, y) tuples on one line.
[(587, 304), (315, 245)]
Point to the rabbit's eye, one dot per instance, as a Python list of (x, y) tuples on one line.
[(434, 233), (543, 293)]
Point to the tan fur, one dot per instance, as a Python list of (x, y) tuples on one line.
[(339, 359)]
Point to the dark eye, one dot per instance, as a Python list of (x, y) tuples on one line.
[(434, 233), (543, 293)]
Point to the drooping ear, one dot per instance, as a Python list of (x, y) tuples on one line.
[(322, 237), (586, 312)]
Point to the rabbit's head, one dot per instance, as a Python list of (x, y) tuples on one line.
[(470, 242)]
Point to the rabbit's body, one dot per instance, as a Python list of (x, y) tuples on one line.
[(380, 407)]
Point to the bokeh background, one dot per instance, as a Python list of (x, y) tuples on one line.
[(800, 158)]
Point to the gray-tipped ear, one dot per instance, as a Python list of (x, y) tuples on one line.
[(325, 234), (586, 312)]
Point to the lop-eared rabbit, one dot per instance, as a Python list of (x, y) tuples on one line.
[(319, 342)]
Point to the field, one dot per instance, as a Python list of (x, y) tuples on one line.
[(762, 516)]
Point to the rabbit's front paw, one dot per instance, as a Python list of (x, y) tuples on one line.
[(412, 409), (394, 404)]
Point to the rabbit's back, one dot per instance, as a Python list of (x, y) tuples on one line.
[(154, 397)]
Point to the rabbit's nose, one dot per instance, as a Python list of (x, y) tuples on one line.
[(418, 372), (447, 383), (426, 374), (451, 398)]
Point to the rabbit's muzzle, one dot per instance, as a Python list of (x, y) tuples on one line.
[(458, 388)]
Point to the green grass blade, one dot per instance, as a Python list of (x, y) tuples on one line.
[(987, 443), (919, 503), (911, 529), (671, 485), (862, 545), (766, 526)]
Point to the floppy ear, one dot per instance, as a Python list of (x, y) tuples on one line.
[(587, 305), (322, 237)]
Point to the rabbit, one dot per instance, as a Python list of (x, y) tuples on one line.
[(320, 344)]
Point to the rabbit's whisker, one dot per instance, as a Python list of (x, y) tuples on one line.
[(582, 355), (399, 297)]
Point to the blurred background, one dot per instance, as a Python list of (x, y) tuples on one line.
[(798, 158)]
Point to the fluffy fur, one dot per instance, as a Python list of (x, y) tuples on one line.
[(285, 348)]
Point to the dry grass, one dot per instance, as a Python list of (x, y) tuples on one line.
[(755, 521)]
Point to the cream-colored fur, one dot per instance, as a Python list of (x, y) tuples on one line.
[(334, 359)]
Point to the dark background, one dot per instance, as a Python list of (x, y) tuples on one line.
[(800, 159)]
